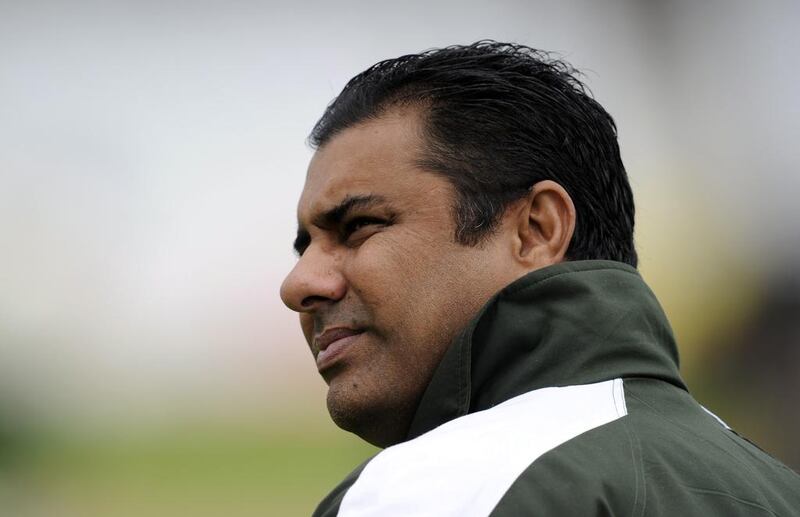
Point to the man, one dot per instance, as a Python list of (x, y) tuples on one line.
[(467, 286)]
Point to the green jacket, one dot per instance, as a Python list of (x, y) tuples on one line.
[(563, 398)]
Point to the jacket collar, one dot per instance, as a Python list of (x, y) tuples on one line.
[(571, 323)]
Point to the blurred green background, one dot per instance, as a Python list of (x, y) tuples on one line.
[(152, 154)]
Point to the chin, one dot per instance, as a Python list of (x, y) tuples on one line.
[(375, 421)]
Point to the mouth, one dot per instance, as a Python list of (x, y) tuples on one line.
[(332, 343)]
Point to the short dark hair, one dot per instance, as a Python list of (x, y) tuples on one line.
[(498, 118)]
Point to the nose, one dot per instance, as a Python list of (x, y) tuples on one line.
[(314, 281)]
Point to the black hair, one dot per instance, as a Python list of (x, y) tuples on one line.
[(498, 118)]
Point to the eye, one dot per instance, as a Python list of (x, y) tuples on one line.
[(359, 228)]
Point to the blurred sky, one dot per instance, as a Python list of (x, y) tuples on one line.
[(151, 155)]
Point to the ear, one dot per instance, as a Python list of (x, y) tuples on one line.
[(545, 224)]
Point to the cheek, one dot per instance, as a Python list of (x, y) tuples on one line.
[(406, 286), (390, 270)]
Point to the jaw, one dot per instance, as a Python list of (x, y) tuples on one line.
[(377, 410)]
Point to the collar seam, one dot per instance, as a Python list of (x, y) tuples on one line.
[(512, 289)]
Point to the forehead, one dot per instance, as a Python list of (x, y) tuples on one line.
[(377, 157)]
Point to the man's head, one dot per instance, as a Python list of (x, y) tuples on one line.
[(438, 179), (499, 118)]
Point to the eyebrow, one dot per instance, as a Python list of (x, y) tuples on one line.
[(334, 216)]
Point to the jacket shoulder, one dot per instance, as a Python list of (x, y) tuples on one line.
[(667, 456), (598, 473), (329, 506)]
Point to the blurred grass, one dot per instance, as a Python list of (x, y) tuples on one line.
[(279, 470)]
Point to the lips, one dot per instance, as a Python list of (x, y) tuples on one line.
[(332, 343)]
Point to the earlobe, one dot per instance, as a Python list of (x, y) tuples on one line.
[(546, 222)]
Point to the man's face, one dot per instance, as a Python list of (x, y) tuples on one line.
[(381, 286)]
